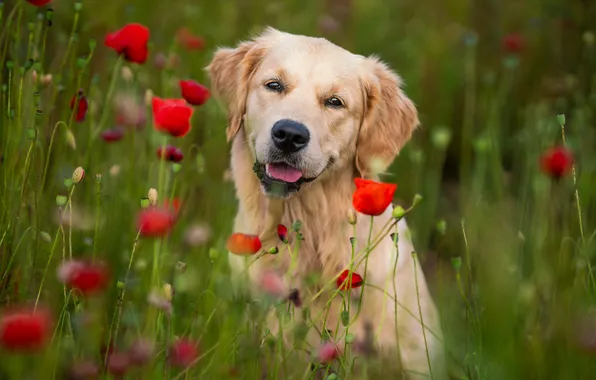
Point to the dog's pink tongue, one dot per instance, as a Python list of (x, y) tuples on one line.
[(283, 172)]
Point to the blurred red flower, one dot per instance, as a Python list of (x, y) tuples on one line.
[(372, 198), (112, 135), (87, 277), (282, 232), (39, 3), (175, 204), (272, 283), (118, 364), (513, 43), (172, 116), (243, 244), (557, 161), (131, 41), (24, 330), (183, 353), (82, 106), (327, 352), (343, 283), (189, 40), (171, 153), (155, 221), (194, 92)]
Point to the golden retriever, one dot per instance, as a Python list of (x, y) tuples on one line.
[(305, 118)]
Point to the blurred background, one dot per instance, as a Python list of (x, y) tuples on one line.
[(507, 253)]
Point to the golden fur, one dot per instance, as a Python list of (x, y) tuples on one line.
[(362, 140)]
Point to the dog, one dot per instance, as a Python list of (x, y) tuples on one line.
[(305, 118)]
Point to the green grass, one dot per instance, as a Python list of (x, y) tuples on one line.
[(507, 253)]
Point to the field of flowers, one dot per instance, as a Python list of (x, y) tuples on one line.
[(116, 203)]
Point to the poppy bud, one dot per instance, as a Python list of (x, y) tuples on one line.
[(352, 218), (152, 196), (398, 212), (78, 175)]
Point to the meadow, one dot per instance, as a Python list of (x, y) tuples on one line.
[(114, 234)]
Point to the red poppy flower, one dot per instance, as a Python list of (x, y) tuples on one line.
[(272, 283), (24, 330), (86, 277), (131, 41), (112, 135), (118, 364), (514, 43), (172, 116), (343, 283), (141, 352), (156, 222), (171, 153), (194, 92), (243, 244), (556, 162), (189, 40), (372, 198), (183, 353), (282, 232), (39, 3), (328, 352), (82, 106)]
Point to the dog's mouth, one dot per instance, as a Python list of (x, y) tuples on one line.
[(280, 178)]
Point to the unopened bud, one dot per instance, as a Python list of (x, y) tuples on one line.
[(417, 199), (78, 175), (61, 200), (168, 292), (46, 80), (145, 202), (398, 212), (148, 97), (441, 137), (561, 119), (126, 73), (273, 251), (152, 196), (352, 217), (181, 267), (70, 139)]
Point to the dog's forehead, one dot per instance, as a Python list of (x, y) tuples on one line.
[(311, 57)]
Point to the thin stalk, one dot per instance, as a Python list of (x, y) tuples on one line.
[(414, 257)]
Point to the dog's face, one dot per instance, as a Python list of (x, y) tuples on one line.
[(308, 107)]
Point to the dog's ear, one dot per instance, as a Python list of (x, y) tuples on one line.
[(389, 118), (230, 72)]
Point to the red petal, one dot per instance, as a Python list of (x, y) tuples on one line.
[(194, 93), (344, 284), (282, 232), (24, 330), (243, 244), (172, 116), (131, 41), (372, 198), (155, 222), (39, 3)]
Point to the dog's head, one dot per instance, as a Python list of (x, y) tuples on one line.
[(308, 107)]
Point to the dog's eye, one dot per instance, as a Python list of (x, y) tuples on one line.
[(334, 102), (274, 86)]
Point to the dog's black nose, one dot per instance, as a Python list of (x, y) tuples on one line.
[(290, 136)]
